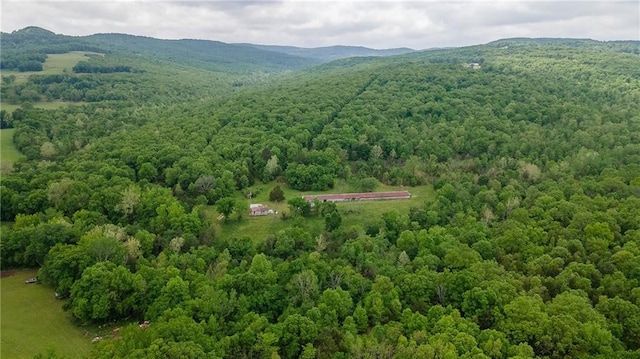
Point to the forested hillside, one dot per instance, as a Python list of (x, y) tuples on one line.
[(330, 53), (530, 247), (211, 55), (27, 49)]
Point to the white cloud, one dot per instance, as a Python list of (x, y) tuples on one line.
[(378, 24)]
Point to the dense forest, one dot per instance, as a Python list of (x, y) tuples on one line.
[(530, 247)]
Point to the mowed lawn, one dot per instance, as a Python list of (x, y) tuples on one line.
[(354, 214), (32, 321), (8, 151)]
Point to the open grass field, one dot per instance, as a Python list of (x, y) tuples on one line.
[(360, 212), (353, 213), (52, 105), (53, 65), (58, 63), (32, 321), (8, 151)]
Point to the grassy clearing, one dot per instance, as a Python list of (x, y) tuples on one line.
[(51, 105), (260, 228), (59, 63), (9, 107), (33, 321), (8, 151), (353, 213), (257, 228), (53, 65), (359, 213)]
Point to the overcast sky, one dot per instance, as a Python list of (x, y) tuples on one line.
[(379, 24)]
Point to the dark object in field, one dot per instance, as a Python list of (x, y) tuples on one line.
[(31, 280)]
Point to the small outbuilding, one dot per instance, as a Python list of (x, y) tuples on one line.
[(258, 209)]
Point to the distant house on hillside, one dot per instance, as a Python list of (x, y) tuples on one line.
[(258, 209), (473, 65), (366, 196)]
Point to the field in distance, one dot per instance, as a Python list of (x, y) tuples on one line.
[(54, 64), (52, 105)]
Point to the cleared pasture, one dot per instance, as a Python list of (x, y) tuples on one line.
[(33, 321), (53, 65), (354, 214), (59, 63)]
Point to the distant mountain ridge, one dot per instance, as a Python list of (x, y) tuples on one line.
[(24, 49), (557, 41), (31, 44), (209, 54), (331, 53)]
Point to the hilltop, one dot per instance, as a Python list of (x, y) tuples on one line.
[(211, 55)]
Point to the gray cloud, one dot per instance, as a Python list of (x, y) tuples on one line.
[(378, 24)]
